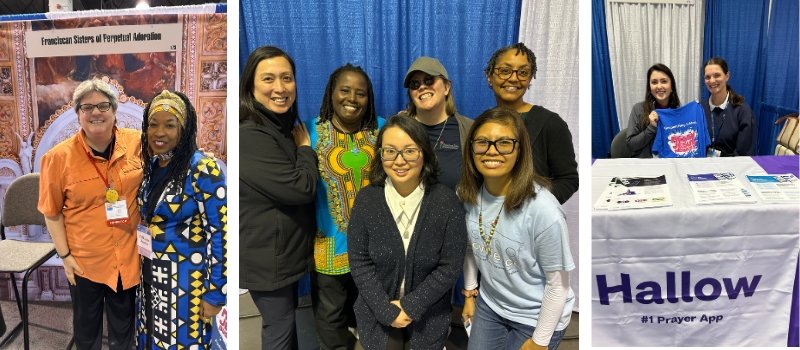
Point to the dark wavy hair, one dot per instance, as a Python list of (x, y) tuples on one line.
[(736, 99), (178, 167), (419, 135), (521, 48), (370, 120), (247, 102), (523, 176), (650, 100)]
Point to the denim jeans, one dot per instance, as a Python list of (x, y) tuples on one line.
[(492, 331)]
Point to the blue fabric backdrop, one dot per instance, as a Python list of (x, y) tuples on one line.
[(604, 112), (383, 37), (762, 57)]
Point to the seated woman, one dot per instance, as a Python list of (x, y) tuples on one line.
[(183, 203), (406, 241), (659, 92), (520, 246), (729, 119)]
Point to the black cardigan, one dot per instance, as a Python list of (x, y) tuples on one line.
[(553, 154), (276, 212), (378, 264)]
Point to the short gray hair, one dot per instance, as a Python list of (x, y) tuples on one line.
[(91, 85)]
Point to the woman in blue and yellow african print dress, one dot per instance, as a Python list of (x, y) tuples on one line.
[(184, 213)]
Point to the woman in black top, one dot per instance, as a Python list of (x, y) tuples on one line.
[(730, 120), (509, 72), (276, 192), (406, 241)]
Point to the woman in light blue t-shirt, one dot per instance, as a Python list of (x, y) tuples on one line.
[(518, 239)]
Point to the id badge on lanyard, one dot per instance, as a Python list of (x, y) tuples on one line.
[(144, 241), (117, 212)]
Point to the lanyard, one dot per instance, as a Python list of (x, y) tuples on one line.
[(111, 194), (94, 163)]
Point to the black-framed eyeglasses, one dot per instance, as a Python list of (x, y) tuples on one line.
[(505, 72), (503, 146), (88, 107), (408, 154), (414, 84)]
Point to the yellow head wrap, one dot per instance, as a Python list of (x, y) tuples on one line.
[(171, 103)]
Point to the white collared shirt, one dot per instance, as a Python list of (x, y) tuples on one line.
[(405, 211), (723, 105)]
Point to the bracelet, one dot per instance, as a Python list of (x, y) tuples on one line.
[(469, 293), (69, 252)]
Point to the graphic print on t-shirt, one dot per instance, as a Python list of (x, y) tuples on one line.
[(681, 132), (504, 253)]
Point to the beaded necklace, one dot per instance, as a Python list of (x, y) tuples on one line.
[(487, 240)]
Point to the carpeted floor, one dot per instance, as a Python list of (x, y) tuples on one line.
[(250, 329)]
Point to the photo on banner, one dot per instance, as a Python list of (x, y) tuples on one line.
[(138, 55)]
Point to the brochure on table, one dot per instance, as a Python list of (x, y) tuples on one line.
[(776, 188), (635, 193), (719, 188)]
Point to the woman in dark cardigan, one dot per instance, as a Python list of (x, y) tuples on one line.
[(406, 243)]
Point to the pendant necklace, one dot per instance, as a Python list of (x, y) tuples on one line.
[(407, 225), (440, 133), (487, 240)]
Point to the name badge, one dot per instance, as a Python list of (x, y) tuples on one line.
[(117, 212), (144, 242)]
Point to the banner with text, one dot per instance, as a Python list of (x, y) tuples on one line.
[(104, 40), (728, 284)]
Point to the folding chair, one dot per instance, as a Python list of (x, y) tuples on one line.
[(19, 208)]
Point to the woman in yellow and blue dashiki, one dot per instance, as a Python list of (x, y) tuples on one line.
[(184, 212)]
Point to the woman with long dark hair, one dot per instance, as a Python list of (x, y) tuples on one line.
[(659, 92), (183, 204), (277, 180), (517, 232)]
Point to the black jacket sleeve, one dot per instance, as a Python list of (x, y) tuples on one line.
[(561, 159), (286, 179)]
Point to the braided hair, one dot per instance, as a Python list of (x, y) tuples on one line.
[(178, 167), (370, 120), (521, 48)]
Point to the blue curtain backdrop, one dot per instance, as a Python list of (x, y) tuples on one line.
[(383, 37), (761, 55), (604, 113)]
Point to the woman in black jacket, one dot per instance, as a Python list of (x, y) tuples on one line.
[(277, 179), (406, 241)]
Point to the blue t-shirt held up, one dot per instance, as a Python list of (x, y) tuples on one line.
[(681, 132)]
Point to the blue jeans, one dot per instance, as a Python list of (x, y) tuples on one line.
[(492, 331)]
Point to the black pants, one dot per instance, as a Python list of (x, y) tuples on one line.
[(278, 329), (332, 297), (399, 339), (89, 299)]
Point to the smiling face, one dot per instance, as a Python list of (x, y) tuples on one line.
[(716, 80), (274, 85), (510, 89), (493, 165), (405, 175), (96, 124), (660, 87), (163, 132), (350, 99), (428, 97)]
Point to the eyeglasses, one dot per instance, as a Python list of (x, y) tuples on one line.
[(408, 154), (503, 146), (88, 107), (505, 72), (414, 84)]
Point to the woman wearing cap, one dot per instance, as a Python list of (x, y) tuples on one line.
[(509, 72), (99, 167), (432, 103), (276, 193), (183, 208), (406, 240)]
